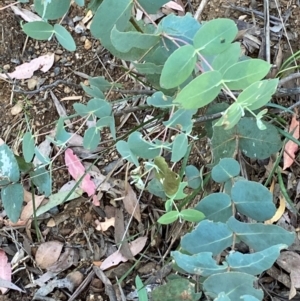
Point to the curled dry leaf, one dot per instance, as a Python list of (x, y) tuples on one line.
[(26, 70), (27, 211), (48, 253), (136, 247), (67, 259), (103, 226), (291, 147)]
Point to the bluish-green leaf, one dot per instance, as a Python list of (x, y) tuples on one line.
[(12, 197), (91, 138), (152, 6), (51, 10), (199, 264), (9, 169), (255, 143), (99, 107), (80, 2), (106, 18), (159, 100), (62, 135), (155, 187), (141, 147), (28, 146), (258, 94), (182, 63), (253, 199), (244, 73), (179, 147), (182, 120), (125, 41), (233, 284), (92, 91), (226, 169), (126, 153), (38, 30), (254, 263), (108, 121), (81, 109), (260, 236), (215, 36), (216, 207), (208, 237), (42, 180), (100, 82), (201, 91), (64, 37), (148, 68), (193, 176), (222, 297)]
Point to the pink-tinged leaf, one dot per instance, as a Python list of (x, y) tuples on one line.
[(291, 147), (5, 270), (76, 170), (135, 246), (174, 5), (26, 70)]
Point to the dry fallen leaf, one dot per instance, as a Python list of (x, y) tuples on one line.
[(27, 211), (5, 270), (136, 247), (291, 147), (131, 203), (103, 226), (48, 253), (290, 262), (24, 71)]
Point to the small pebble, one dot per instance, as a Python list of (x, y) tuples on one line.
[(56, 70), (6, 67)]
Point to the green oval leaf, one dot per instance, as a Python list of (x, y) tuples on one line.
[(253, 199), (201, 91), (179, 147), (259, 236), (9, 169), (182, 63), (226, 169), (38, 30), (51, 10), (242, 74), (28, 146), (168, 218), (233, 284), (192, 215), (215, 36), (258, 94), (208, 237), (12, 197), (254, 263), (216, 207), (193, 176), (91, 138), (64, 37)]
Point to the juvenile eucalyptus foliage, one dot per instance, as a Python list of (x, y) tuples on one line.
[(189, 64)]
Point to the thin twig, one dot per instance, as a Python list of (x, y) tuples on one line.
[(267, 30), (200, 9)]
